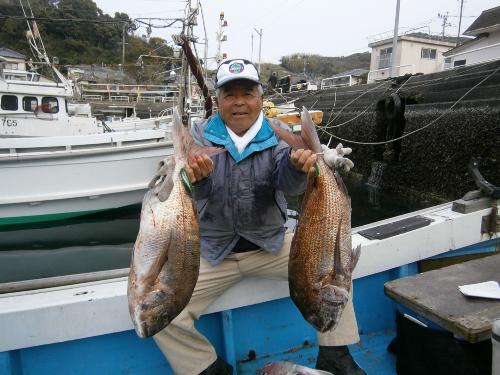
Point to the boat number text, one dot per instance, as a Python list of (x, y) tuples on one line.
[(8, 122)]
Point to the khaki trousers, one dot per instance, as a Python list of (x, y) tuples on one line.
[(189, 352)]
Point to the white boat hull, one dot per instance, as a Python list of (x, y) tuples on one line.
[(55, 177)]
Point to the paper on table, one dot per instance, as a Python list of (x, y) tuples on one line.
[(487, 289)]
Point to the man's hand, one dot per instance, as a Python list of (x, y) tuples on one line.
[(199, 167), (335, 157), (303, 160)]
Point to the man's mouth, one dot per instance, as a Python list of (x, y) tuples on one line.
[(240, 113)]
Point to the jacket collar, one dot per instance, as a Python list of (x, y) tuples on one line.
[(216, 132)]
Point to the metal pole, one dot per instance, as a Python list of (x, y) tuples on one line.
[(260, 45), (392, 71), (252, 48), (123, 46), (460, 21)]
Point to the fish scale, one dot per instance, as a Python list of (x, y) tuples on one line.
[(166, 257), (321, 254)]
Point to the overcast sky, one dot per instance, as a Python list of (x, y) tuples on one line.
[(324, 27)]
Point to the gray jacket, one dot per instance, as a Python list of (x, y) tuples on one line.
[(244, 197)]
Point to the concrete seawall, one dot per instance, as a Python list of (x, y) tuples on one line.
[(432, 162)]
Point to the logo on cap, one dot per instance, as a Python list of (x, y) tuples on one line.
[(236, 68)]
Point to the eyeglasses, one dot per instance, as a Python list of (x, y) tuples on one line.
[(245, 61)]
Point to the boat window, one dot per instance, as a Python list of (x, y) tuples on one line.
[(50, 104), (30, 103), (9, 102)]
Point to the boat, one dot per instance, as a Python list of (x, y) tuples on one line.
[(77, 164), (85, 320), (59, 161)]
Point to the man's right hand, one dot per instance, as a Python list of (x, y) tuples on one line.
[(199, 167)]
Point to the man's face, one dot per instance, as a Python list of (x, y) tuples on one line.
[(240, 104)]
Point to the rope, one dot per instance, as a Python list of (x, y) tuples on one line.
[(416, 130)]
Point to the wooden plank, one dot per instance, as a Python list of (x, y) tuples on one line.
[(435, 295)]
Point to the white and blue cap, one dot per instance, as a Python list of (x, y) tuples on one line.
[(230, 70)]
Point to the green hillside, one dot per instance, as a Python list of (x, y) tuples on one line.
[(78, 32)]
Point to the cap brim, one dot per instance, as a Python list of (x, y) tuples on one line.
[(226, 80)]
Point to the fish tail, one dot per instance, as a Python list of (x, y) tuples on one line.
[(184, 144), (309, 133), (308, 138)]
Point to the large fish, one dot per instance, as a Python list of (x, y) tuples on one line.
[(166, 257), (288, 368), (321, 254)]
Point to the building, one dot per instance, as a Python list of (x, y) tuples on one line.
[(484, 47), (12, 60), (416, 53), (348, 78)]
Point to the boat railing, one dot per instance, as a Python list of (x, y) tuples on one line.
[(383, 73), (119, 98), (92, 97)]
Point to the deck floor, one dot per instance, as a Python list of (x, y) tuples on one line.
[(371, 354)]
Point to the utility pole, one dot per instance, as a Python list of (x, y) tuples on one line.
[(123, 45), (252, 48), (460, 21), (392, 71), (260, 45), (445, 17)]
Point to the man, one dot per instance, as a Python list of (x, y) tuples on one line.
[(242, 210), (273, 81)]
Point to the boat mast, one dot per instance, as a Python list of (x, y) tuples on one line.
[(37, 47)]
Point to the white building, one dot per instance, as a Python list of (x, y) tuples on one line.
[(12, 60), (416, 53), (484, 47)]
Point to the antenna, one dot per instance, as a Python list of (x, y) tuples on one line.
[(445, 23)]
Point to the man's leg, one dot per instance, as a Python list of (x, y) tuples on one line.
[(188, 351), (333, 344), (334, 355)]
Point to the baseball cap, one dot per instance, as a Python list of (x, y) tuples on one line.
[(230, 70)]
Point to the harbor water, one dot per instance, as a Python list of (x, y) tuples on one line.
[(104, 241)]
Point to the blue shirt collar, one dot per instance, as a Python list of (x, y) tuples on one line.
[(216, 132)]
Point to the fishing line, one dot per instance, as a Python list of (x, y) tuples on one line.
[(422, 128)]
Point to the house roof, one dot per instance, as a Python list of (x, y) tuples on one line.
[(419, 37), (5, 52), (463, 46), (489, 20)]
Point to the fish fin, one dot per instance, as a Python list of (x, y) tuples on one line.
[(295, 141), (184, 144), (341, 184), (165, 188), (308, 138), (309, 133), (356, 253)]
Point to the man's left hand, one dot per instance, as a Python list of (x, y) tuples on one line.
[(303, 160)]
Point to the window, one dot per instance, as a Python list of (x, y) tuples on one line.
[(30, 103), (50, 104), (459, 63), (12, 66), (9, 102), (385, 58), (428, 53)]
